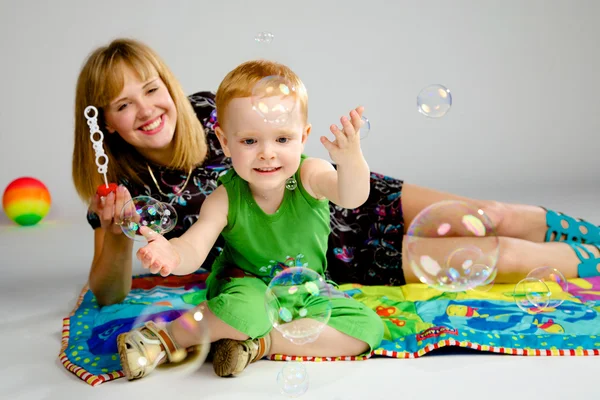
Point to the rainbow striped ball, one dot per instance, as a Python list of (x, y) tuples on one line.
[(26, 201)]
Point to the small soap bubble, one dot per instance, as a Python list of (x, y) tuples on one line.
[(532, 295), (298, 303), (452, 246), (555, 281), (434, 101), (365, 128), (264, 37), (293, 379), (146, 211), (274, 98), (541, 290), (487, 284)]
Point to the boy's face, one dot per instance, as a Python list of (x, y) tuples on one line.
[(262, 153)]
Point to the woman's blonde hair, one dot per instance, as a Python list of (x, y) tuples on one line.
[(100, 81), (241, 81)]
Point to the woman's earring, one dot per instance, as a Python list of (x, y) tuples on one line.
[(291, 184)]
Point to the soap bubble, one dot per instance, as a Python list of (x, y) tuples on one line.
[(293, 379), (366, 127), (555, 281), (537, 289), (274, 98), (452, 246), (191, 320), (488, 284), (264, 37), (146, 211), (531, 295), (298, 303), (434, 101)]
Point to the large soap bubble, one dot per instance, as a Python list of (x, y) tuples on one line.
[(452, 246), (298, 303), (274, 99), (146, 211), (434, 101), (192, 321)]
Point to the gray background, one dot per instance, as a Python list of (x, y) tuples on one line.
[(522, 75), (523, 128)]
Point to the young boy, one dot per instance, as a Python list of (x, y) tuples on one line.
[(273, 204)]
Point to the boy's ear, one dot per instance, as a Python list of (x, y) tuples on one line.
[(306, 132), (223, 140)]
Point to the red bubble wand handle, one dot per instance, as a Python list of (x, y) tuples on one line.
[(97, 138)]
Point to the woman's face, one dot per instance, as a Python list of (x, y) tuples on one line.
[(144, 115)]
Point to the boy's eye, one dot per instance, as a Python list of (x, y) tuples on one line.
[(248, 141), (152, 90), (282, 140)]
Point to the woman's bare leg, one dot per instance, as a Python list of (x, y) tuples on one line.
[(517, 257), (511, 220)]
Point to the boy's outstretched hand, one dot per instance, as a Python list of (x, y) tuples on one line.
[(346, 146), (159, 256)]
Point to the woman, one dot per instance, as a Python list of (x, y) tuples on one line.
[(162, 144)]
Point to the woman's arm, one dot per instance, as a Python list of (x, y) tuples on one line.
[(111, 270)]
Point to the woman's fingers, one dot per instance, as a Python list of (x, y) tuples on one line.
[(108, 209)]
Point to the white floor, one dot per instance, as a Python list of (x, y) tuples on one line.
[(43, 268)]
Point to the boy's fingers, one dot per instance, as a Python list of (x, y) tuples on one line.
[(328, 144), (340, 137), (357, 122), (349, 130), (149, 234)]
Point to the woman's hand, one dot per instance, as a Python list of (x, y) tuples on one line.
[(109, 209)]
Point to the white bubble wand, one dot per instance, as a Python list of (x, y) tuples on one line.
[(97, 138)]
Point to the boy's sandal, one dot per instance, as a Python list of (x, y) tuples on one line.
[(134, 345), (231, 357)]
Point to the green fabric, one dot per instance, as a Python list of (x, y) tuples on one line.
[(240, 303), (263, 244)]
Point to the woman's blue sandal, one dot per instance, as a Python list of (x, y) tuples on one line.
[(563, 228), (590, 264)]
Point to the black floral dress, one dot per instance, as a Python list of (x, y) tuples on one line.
[(365, 244)]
